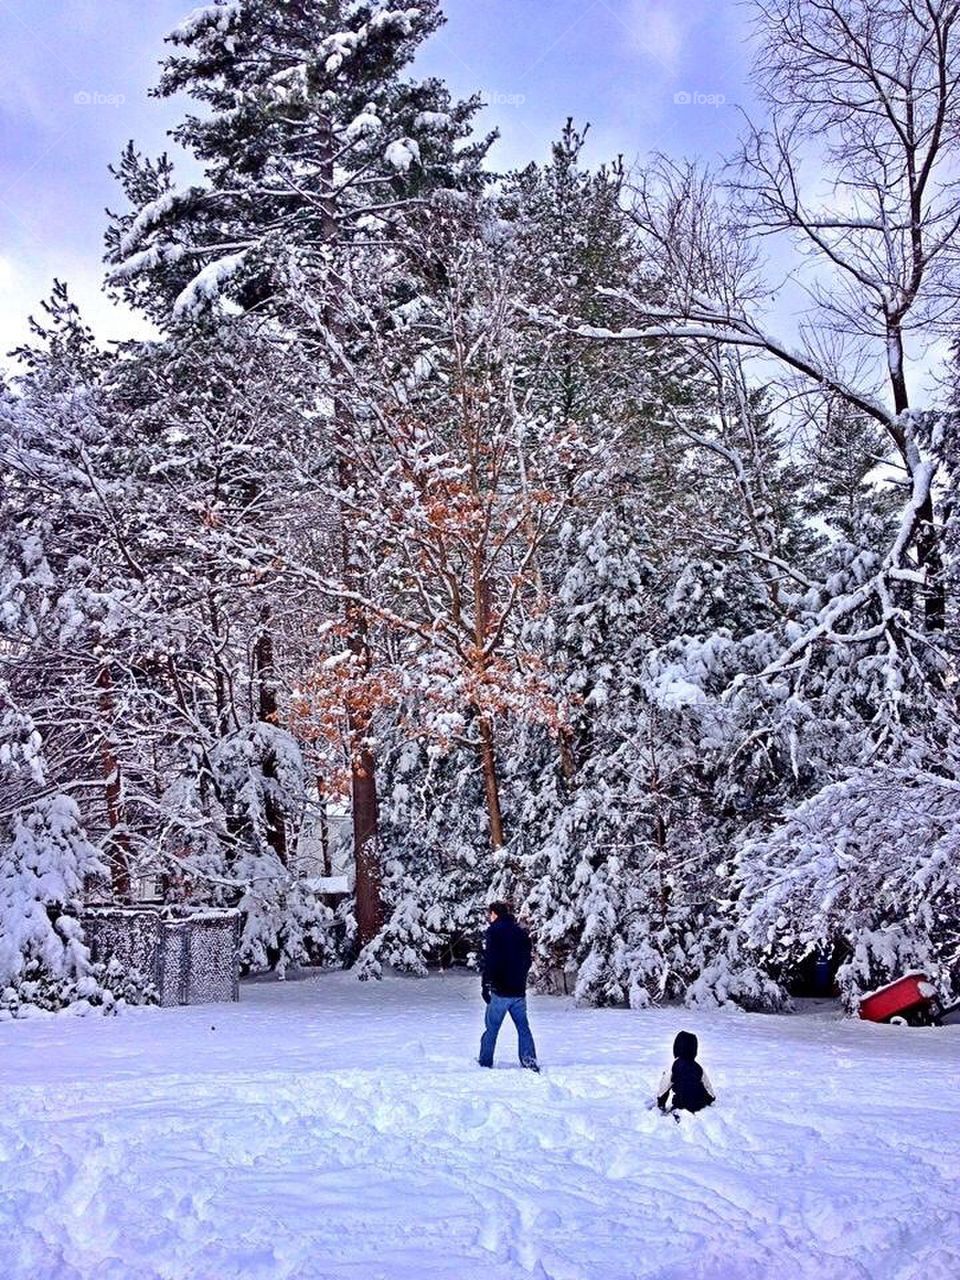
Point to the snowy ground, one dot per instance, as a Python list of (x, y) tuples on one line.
[(328, 1130)]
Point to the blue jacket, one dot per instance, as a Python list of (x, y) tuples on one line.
[(506, 959)]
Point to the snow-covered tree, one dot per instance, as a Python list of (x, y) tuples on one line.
[(866, 869), (314, 148), (69, 586), (471, 510), (44, 962)]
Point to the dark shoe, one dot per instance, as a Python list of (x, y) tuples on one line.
[(531, 1066), (487, 1065)]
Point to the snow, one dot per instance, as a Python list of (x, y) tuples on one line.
[(218, 16), (207, 284), (330, 884), (366, 122), (401, 19), (402, 154), (434, 120), (153, 211), (337, 48), (672, 692), (325, 1129), (147, 260)]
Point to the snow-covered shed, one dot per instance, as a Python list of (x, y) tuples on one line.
[(190, 956)]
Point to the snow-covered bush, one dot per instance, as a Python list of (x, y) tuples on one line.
[(285, 921), (869, 865), (44, 962), (728, 976)]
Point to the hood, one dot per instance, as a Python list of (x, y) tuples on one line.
[(685, 1046)]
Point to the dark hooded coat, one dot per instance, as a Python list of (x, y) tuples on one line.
[(686, 1080)]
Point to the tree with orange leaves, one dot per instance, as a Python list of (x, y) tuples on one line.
[(458, 488)]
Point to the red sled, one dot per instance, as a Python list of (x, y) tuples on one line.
[(911, 999)]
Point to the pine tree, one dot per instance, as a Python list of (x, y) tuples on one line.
[(69, 585), (314, 149), (612, 873), (43, 959)]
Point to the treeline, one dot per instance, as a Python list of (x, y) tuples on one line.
[(488, 508)]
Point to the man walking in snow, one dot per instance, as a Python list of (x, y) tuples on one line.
[(503, 969)]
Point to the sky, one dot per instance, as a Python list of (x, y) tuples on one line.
[(75, 75)]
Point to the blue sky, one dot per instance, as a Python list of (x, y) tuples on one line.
[(74, 76)]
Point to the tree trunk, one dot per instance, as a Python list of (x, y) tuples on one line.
[(568, 762), (368, 881), (118, 840), (488, 761), (929, 560), (363, 779), (324, 829), (267, 711), (219, 678), (488, 756)]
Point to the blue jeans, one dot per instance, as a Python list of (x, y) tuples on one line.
[(497, 1010)]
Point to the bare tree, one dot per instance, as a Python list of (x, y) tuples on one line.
[(857, 162)]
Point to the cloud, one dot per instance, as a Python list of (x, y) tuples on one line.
[(660, 29), (656, 32)]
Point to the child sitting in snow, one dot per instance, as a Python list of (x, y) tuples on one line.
[(686, 1079)]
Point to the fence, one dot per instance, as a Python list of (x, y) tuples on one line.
[(192, 957)]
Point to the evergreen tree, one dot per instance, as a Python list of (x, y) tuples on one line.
[(43, 959), (71, 591), (314, 149)]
